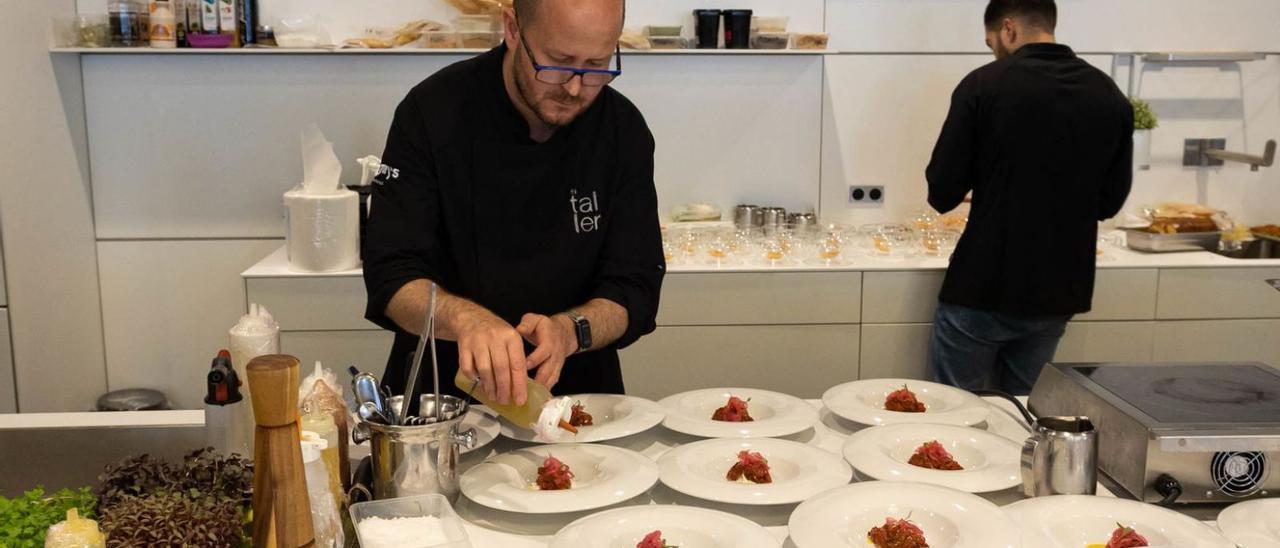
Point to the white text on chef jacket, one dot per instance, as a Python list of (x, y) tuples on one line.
[(583, 210)]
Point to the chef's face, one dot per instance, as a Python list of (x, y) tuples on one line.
[(1000, 39), (565, 33)]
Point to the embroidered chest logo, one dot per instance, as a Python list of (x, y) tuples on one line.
[(586, 212)]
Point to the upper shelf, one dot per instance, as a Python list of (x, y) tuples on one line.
[(402, 51)]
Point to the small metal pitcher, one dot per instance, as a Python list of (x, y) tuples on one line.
[(1060, 457), (418, 460)]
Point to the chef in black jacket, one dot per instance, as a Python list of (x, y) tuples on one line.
[(523, 185), (1044, 141)]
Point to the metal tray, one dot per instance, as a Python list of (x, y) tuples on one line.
[(1142, 240), (1262, 236)]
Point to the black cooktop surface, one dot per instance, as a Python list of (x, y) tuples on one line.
[(1194, 393)]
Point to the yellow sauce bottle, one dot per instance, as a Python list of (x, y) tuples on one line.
[(525, 416)]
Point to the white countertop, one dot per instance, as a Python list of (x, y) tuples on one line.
[(276, 265)]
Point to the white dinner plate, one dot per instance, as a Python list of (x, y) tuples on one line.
[(798, 471), (774, 414), (863, 402), (991, 462), (683, 526), (614, 417), (949, 518), (603, 475), (1252, 524), (1073, 521)]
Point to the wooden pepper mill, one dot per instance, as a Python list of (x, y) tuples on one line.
[(281, 509)]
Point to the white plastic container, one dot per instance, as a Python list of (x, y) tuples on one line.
[(164, 33), (324, 511), (429, 506)]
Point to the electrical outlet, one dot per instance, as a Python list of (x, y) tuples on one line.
[(866, 196)]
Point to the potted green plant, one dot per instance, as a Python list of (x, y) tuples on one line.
[(1144, 120)]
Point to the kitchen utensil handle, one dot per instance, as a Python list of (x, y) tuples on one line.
[(1032, 465), (411, 384)]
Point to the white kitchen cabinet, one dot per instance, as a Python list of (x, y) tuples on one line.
[(1106, 342), (760, 298), (8, 392), (367, 350), (898, 351), (1218, 293), (312, 303), (802, 360), (1218, 341), (912, 296)]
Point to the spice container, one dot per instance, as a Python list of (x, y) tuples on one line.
[(475, 23), (809, 40), (479, 39), (737, 29), (426, 521), (770, 40), (126, 23), (707, 27), (761, 23), (440, 39), (667, 42), (663, 30)]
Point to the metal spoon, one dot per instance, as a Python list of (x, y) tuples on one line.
[(370, 413)]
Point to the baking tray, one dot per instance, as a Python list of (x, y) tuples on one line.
[(1262, 236), (1150, 242)]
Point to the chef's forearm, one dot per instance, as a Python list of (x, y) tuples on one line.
[(408, 308), (608, 321)]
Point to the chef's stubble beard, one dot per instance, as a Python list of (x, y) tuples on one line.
[(531, 101)]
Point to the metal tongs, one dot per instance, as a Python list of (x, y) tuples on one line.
[(411, 386)]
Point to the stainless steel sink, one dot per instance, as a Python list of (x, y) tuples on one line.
[(1257, 249)]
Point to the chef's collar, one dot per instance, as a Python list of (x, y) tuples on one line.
[(1045, 49), (507, 117)]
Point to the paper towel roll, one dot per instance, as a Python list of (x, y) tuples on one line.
[(324, 230)]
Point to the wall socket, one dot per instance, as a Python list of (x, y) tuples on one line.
[(866, 196)]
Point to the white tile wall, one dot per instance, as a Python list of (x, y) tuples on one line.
[(167, 306)]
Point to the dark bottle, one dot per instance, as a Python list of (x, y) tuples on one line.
[(247, 21)]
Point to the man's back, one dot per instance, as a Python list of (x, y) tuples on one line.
[(1044, 142)]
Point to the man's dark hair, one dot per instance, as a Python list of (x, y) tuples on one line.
[(1042, 14)]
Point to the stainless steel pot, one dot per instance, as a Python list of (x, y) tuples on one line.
[(1061, 458), (417, 460)]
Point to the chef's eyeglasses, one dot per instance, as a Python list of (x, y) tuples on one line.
[(551, 74)]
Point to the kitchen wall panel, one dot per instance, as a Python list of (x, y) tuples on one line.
[(367, 350), (1106, 342), (802, 360), (204, 146), (760, 298), (1089, 25), (881, 118), (311, 304), (167, 307), (895, 351), (1218, 341), (8, 393)]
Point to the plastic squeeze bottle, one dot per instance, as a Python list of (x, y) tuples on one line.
[(547, 415), (75, 532)]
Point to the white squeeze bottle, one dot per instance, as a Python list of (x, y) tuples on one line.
[(256, 334), (164, 25), (325, 518), (547, 415)]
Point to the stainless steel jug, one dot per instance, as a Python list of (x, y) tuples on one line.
[(1060, 457)]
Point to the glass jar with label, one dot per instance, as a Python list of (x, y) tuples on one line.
[(127, 22)]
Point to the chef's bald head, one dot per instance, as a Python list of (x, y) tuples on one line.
[(529, 11)]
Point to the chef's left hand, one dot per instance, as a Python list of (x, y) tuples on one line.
[(554, 340)]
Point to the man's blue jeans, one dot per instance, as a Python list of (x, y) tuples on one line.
[(977, 349)]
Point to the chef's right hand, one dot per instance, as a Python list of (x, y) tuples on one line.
[(489, 348)]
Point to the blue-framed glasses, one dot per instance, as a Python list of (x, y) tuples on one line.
[(551, 74)]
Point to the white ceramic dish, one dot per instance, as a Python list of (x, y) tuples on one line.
[(1074, 521), (613, 416), (798, 471), (991, 462), (1252, 524), (949, 518), (683, 526), (603, 475), (863, 402), (775, 414)]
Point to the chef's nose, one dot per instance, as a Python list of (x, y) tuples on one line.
[(574, 85)]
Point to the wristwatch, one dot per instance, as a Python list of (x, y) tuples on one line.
[(581, 328)]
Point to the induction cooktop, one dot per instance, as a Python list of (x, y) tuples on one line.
[(1212, 427)]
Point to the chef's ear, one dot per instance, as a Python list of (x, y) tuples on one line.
[(511, 28)]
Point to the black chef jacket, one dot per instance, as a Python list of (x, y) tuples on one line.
[(465, 198), (1045, 143)]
